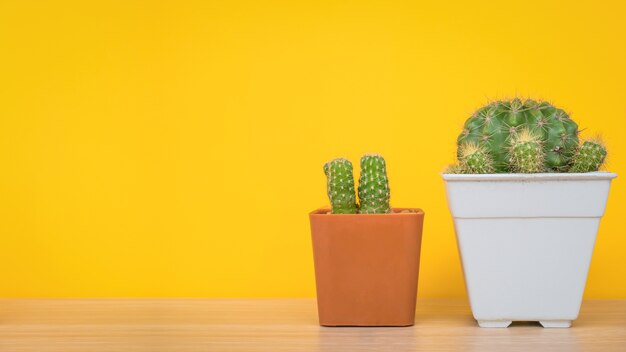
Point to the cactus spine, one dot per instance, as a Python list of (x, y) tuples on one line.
[(526, 153), (474, 159), (340, 186), (495, 126), (589, 157), (373, 185), (454, 169)]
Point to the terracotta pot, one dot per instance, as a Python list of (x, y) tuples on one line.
[(366, 267)]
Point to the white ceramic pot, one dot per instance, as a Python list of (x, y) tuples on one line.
[(525, 242)]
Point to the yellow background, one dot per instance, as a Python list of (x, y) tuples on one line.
[(175, 148)]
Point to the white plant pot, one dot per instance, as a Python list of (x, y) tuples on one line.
[(525, 242)]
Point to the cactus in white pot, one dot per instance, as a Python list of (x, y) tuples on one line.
[(526, 198)]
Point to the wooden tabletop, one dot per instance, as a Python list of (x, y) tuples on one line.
[(224, 325)]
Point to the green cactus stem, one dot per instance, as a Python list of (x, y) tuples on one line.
[(474, 159), (373, 185), (494, 126), (589, 157), (526, 153), (340, 186)]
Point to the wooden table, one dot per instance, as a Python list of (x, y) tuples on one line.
[(182, 325)]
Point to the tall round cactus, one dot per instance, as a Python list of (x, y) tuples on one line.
[(373, 185), (495, 126), (340, 186), (590, 157)]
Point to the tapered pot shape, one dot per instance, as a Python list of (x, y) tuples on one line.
[(366, 267), (525, 242)]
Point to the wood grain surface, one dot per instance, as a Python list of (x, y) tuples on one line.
[(182, 325)]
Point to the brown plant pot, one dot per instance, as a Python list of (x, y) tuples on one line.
[(366, 267)]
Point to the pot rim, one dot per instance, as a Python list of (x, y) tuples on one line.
[(325, 210), (539, 177)]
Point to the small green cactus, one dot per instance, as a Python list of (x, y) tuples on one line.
[(340, 186), (373, 186), (526, 153), (474, 159), (454, 169), (589, 157)]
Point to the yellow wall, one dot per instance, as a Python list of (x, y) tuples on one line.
[(174, 149)]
